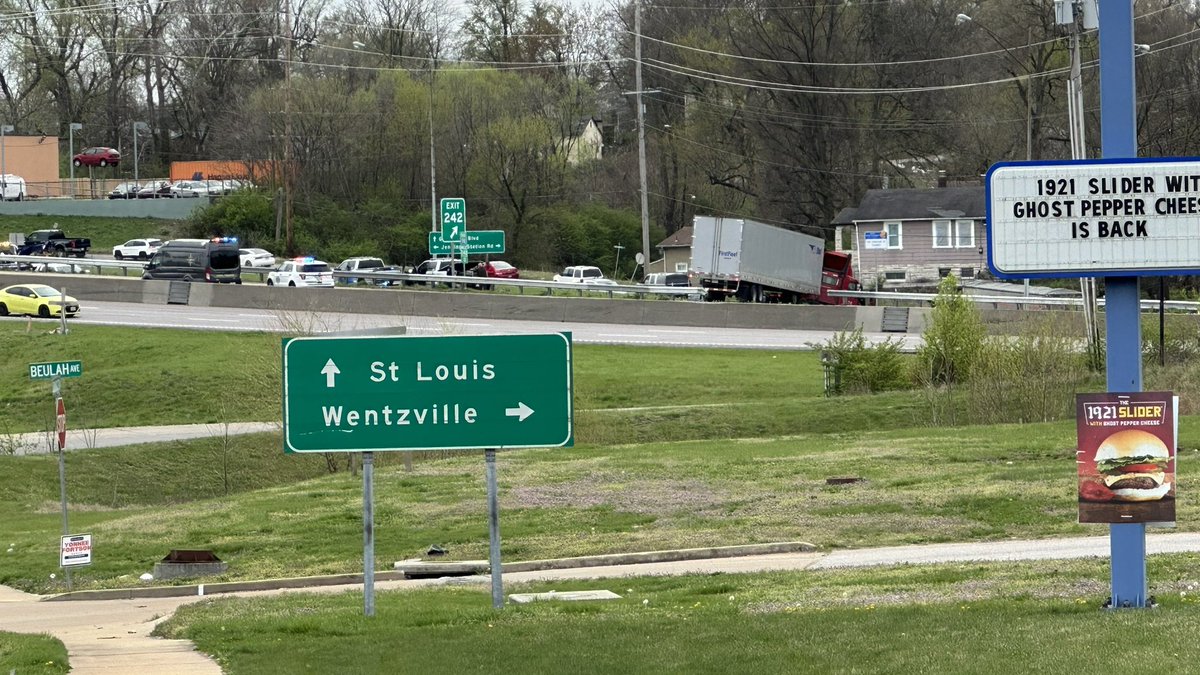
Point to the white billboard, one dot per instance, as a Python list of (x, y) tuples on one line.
[(1129, 217)]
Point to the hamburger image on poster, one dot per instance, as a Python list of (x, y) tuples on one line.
[(1133, 464)]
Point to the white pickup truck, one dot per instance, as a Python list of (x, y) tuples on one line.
[(579, 274)]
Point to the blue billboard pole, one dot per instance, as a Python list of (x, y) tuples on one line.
[(1118, 138)]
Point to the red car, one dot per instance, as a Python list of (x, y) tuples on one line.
[(497, 269), (98, 157)]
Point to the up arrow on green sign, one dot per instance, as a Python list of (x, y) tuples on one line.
[(364, 394)]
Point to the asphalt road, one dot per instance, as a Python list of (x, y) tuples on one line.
[(237, 319)]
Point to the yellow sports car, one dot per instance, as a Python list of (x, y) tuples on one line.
[(35, 299)]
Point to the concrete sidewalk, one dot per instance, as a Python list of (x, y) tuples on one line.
[(113, 635), (84, 439)]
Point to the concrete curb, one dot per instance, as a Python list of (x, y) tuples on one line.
[(430, 568)]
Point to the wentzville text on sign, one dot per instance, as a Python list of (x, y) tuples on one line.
[(1094, 217)]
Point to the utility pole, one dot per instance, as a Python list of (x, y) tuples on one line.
[(641, 123), (289, 242)]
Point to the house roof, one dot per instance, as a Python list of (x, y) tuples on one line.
[(916, 204), (681, 238)]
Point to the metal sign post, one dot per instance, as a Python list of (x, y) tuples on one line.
[(60, 417), (368, 466), (489, 457), (1118, 137), (55, 371)]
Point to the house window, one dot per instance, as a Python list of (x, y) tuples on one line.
[(967, 273), (681, 267), (894, 276), (894, 235), (943, 272), (964, 233), (942, 236)]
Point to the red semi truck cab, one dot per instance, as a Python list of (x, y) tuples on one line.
[(837, 274)]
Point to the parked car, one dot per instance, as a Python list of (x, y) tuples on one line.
[(127, 190), (155, 189), (212, 260), (578, 273), (666, 279), (386, 283), (12, 188), (36, 300), (302, 272), (54, 242), (98, 156), (360, 263), (496, 269), (440, 267), (189, 188), (603, 284), (256, 257), (141, 249)]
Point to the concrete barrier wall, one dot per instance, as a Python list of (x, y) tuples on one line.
[(169, 209), (503, 306)]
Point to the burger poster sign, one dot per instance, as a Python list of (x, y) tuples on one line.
[(1126, 457)]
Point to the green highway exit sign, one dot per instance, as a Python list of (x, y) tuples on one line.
[(477, 242), (454, 218), (365, 394), (55, 370)]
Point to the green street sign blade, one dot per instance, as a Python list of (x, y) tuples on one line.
[(453, 221), (478, 242), (367, 394), (55, 369)]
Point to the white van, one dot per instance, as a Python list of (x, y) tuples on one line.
[(12, 188)]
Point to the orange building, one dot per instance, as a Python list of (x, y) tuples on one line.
[(36, 159)]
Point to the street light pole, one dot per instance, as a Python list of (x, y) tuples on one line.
[(72, 128), (4, 128)]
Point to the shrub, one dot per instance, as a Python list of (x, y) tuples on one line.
[(859, 368), (953, 339)]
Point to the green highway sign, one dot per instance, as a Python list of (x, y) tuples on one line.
[(478, 242), (55, 370), (365, 394), (454, 218)]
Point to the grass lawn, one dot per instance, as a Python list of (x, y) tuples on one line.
[(1041, 617), (32, 654), (725, 447), (104, 232)]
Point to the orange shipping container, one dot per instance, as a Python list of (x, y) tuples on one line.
[(257, 171)]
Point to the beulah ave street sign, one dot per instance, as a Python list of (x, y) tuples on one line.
[(365, 394)]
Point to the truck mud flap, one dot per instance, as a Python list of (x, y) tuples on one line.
[(179, 292), (895, 319)]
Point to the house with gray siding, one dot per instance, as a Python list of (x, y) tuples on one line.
[(915, 234)]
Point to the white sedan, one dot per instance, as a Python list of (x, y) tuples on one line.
[(302, 272), (141, 249), (256, 257)]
